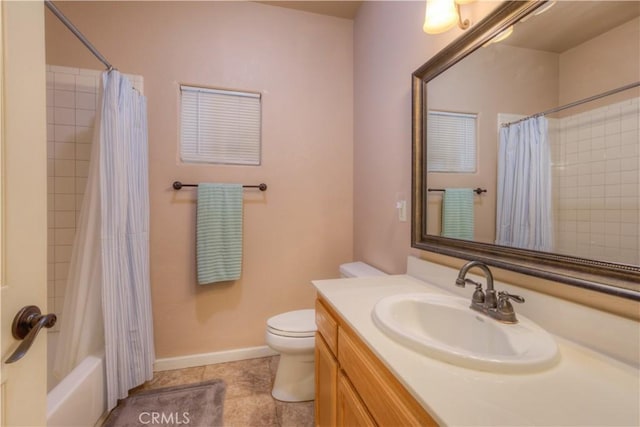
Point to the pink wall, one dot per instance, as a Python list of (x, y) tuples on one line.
[(302, 227), (389, 46), (593, 67)]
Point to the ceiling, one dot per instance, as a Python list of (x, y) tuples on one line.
[(340, 9), (571, 23)]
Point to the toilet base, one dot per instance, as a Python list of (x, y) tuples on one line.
[(295, 378)]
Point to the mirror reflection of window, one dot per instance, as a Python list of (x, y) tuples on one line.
[(451, 142)]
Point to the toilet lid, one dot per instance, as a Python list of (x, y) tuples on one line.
[(299, 323)]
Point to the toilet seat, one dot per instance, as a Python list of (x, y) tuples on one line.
[(293, 324)]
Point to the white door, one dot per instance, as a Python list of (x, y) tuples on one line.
[(23, 206)]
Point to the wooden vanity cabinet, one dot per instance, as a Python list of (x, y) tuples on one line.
[(326, 379), (351, 411), (353, 387)]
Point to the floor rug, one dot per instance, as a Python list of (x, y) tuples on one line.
[(192, 405)]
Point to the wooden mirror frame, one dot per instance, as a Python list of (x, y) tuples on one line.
[(615, 279)]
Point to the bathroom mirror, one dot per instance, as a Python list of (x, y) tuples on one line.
[(560, 59)]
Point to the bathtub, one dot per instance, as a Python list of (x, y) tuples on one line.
[(80, 398)]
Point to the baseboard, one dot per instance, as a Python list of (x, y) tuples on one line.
[(201, 359), (102, 419)]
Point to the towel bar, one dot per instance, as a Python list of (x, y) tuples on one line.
[(177, 185), (478, 190)]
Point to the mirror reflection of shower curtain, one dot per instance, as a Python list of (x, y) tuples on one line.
[(524, 215), (109, 271)]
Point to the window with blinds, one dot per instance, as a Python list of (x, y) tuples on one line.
[(219, 126), (451, 142)]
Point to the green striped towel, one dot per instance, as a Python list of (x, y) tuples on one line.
[(219, 232), (457, 213)]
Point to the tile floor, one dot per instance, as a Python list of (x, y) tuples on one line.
[(248, 400)]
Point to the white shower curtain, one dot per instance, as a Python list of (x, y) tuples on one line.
[(524, 216), (126, 302), (109, 272)]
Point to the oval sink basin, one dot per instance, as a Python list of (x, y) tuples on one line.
[(445, 328)]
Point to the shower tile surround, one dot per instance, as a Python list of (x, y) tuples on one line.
[(72, 102), (596, 173)]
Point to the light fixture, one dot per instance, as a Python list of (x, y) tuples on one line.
[(502, 35), (442, 15), (539, 11), (546, 7)]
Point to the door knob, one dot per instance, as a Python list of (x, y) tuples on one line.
[(26, 326)]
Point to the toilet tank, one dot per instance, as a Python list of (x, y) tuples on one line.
[(359, 269)]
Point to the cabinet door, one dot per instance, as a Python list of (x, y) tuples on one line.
[(384, 397), (351, 410), (326, 384), (327, 326)]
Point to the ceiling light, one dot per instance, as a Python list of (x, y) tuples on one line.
[(503, 35), (544, 8), (500, 36)]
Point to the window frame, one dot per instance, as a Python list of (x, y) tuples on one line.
[(215, 148), (453, 165)]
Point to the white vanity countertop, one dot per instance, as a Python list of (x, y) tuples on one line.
[(584, 388)]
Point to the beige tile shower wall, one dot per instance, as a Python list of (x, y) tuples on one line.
[(72, 96), (72, 102), (597, 174), (597, 181)]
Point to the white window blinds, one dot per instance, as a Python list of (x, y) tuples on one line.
[(451, 142), (219, 126)]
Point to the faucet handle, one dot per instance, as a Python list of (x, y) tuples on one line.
[(504, 308), (505, 296), (462, 282), (478, 294)]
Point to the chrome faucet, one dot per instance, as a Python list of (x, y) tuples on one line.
[(495, 306)]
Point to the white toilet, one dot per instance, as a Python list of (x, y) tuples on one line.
[(292, 334)]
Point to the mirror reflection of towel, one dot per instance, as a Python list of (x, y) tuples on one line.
[(457, 213), (219, 232)]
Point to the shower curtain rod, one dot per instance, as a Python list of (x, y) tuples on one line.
[(576, 103), (52, 7)]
